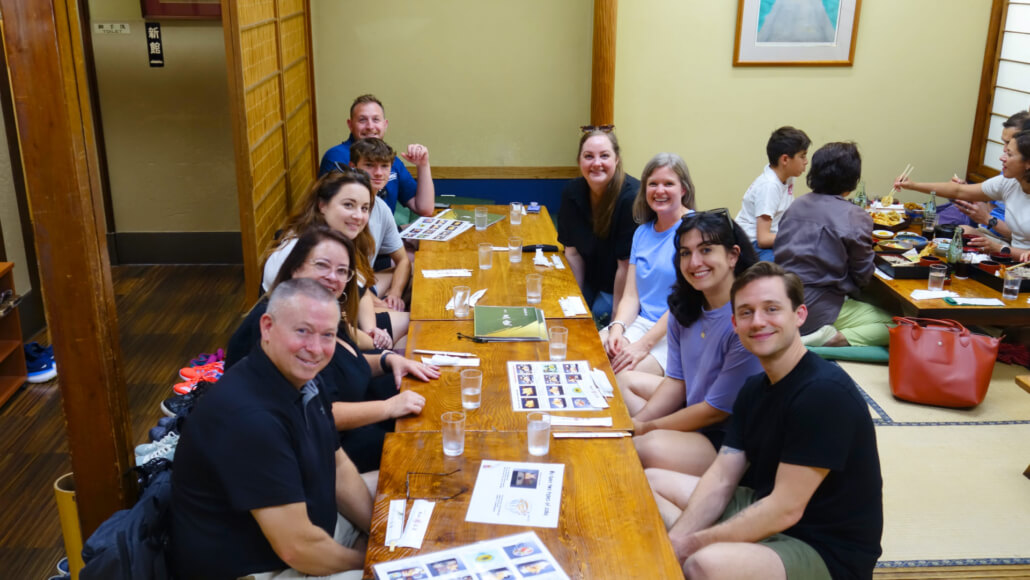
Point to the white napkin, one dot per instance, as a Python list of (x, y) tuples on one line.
[(418, 523), (540, 260), (500, 248), (557, 262), (601, 380), (978, 302), (471, 299), (931, 294), (580, 421), (451, 273), (880, 273), (572, 305), (442, 360)]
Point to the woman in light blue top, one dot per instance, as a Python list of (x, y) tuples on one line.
[(635, 340)]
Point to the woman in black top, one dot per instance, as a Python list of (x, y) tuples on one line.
[(595, 221), (362, 387)]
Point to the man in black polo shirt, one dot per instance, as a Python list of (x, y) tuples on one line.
[(259, 477), (800, 444)]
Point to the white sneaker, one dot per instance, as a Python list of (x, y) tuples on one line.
[(171, 439)]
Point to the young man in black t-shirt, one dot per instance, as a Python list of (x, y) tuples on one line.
[(796, 489)]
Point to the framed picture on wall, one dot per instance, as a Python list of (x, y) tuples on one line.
[(182, 9), (796, 32)]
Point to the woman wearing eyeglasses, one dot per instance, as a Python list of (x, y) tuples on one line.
[(680, 420), (342, 200), (595, 220), (362, 387), (827, 241), (635, 339)]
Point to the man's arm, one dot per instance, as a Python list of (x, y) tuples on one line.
[(763, 232), (304, 546), (794, 487), (709, 500), (425, 192), (352, 498)]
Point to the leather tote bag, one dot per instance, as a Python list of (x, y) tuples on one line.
[(940, 362)]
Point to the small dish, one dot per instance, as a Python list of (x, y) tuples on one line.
[(917, 241), (893, 246), (883, 234)]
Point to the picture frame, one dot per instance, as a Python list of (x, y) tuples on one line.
[(182, 9), (796, 32)]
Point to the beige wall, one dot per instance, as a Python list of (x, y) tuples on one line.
[(9, 220), (167, 130), (477, 82), (910, 97)]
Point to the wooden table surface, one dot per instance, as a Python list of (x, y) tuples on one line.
[(495, 412), (534, 229), (608, 527), (895, 295), (505, 283)]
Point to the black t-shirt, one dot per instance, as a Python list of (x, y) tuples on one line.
[(250, 442), (576, 229), (814, 416)]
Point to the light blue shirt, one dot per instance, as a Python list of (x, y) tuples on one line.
[(653, 254)]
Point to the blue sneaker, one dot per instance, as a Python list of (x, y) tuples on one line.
[(62, 567), (165, 425), (41, 370)]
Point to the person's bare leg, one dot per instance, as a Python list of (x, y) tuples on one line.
[(648, 365), (636, 389), (683, 452), (671, 491), (734, 561)]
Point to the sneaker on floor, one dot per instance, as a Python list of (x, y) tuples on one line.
[(62, 567), (181, 405), (171, 439), (206, 358), (165, 425), (41, 370), (819, 337), (210, 371), (162, 450)]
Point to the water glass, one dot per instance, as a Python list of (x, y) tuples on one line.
[(486, 256), (514, 250), (471, 388), (480, 218), (938, 272), (1010, 289), (538, 432), (461, 301), (534, 288), (558, 342), (452, 424), (516, 213)]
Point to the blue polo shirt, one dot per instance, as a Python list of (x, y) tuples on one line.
[(401, 185), (253, 441)]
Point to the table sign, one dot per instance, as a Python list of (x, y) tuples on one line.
[(517, 494)]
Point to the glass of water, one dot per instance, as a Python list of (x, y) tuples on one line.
[(938, 272), (486, 256), (452, 425), (538, 432), (558, 345), (471, 388), (480, 218), (1010, 289), (516, 213), (514, 250), (534, 288), (461, 301)]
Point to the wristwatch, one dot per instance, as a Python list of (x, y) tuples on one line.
[(992, 222)]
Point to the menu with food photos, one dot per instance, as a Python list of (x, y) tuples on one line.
[(553, 386), (434, 229), (515, 557)]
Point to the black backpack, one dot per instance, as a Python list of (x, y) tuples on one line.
[(130, 545)]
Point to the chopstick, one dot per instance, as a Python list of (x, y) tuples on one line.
[(443, 352), (889, 199)]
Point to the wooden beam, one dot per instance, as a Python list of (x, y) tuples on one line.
[(43, 45), (602, 79), (976, 170)]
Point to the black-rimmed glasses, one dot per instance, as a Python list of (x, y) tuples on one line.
[(407, 485)]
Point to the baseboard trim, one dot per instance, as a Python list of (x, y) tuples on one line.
[(175, 248), (502, 172)]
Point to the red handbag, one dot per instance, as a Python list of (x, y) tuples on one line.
[(940, 362)]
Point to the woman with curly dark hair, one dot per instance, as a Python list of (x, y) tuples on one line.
[(679, 420)]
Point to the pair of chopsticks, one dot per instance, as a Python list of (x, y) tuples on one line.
[(1005, 268), (889, 199)]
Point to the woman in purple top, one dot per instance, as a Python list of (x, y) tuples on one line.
[(679, 419)]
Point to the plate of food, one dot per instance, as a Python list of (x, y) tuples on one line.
[(883, 234), (918, 242), (890, 220), (893, 246)]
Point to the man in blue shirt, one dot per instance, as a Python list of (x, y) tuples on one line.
[(368, 119)]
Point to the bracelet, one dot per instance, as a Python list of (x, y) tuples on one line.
[(382, 360), (614, 322)]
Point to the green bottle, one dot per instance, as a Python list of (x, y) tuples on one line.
[(860, 198), (955, 248)]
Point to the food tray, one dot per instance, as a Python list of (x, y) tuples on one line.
[(996, 282), (915, 271)]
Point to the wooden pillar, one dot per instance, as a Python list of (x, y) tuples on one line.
[(43, 42), (602, 80)]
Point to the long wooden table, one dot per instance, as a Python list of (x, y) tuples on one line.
[(895, 296), (608, 527), (495, 412), (534, 229), (505, 283)]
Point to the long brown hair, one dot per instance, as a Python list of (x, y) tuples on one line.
[(309, 214), (602, 211), (306, 242)]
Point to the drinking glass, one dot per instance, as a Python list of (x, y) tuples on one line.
[(534, 288), (452, 424), (480, 218), (938, 272), (538, 432), (486, 256), (461, 301), (471, 388), (514, 250), (1010, 289), (558, 345), (516, 213)]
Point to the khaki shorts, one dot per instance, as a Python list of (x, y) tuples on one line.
[(800, 560)]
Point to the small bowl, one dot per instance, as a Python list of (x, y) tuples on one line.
[(1004, 259), (989, 266), (929, 261), (918, 242), (893, 246), (883, 234)]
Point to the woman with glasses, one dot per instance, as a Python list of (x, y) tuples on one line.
[(595, 220), (635, 339), (680, 420), (342, 199), (827, 241), (362, 387)]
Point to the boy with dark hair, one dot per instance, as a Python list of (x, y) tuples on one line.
[(773, 191), (375, 157)]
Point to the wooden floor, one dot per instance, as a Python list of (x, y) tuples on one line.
[(167, 315)]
